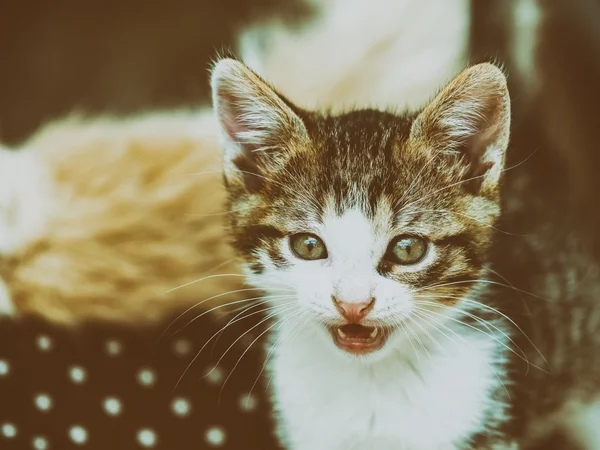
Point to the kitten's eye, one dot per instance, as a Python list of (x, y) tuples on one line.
[(308, 246), (407, 250)]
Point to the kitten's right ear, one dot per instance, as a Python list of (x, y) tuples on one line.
[(258, 128)]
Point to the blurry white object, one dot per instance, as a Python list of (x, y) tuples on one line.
[(384, 53)]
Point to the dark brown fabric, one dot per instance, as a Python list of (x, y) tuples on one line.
[(115, 388)]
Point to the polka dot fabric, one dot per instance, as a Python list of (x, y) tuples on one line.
[(105, 387)]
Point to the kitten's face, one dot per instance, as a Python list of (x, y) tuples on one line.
[(371, 221)]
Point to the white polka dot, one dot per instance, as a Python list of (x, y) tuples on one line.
[(146, 437), (215, 436), (43, 402), (77, 374), (112, 406), (113, 347), (181, 407), (248, 402), (214, 375), (78, 434), (4, 368), (9, 430), (146, 377), (40, 443), (44, 343), (182, 347)]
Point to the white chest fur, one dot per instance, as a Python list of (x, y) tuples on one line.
[(328, 401)]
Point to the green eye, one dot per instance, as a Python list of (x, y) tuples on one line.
[(308, 246), (407, 250)]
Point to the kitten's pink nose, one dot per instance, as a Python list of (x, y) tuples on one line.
[(356, 311)]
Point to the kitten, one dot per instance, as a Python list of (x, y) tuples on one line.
[(380, 225)]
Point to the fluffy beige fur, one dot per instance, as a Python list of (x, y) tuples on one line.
[(101, 218), (382, 53), (136, 211)]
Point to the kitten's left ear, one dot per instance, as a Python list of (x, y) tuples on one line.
[(469, 122), (258, 128)]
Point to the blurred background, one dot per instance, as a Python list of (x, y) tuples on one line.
[(115, 55)]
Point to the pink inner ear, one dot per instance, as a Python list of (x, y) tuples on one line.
[(486, 131), (228, 114)]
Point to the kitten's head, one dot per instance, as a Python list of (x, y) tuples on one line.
[(368, 219)]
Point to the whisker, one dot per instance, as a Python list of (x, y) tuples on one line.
[(248, 348), (489, 308), (204, 301), (208, 172), (205, 278), (272, 349), (459, 310), (417, 338), (429, 335), (237, 210), (270, 180), (521, 162), (512, 286), (522, 356), (401, 324), (481, 321), (265, 319), (220, 359), (475, 219), (419, 312), (414, 182), (451, 185), (309, 196), (219, 333), (496, 311), (495, 283), (269, 297), (306, 315), (218, 266), (291, 298)]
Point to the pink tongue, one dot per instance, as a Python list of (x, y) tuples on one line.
[(356, 331)]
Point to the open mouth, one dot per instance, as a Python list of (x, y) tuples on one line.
[(358, 339)]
